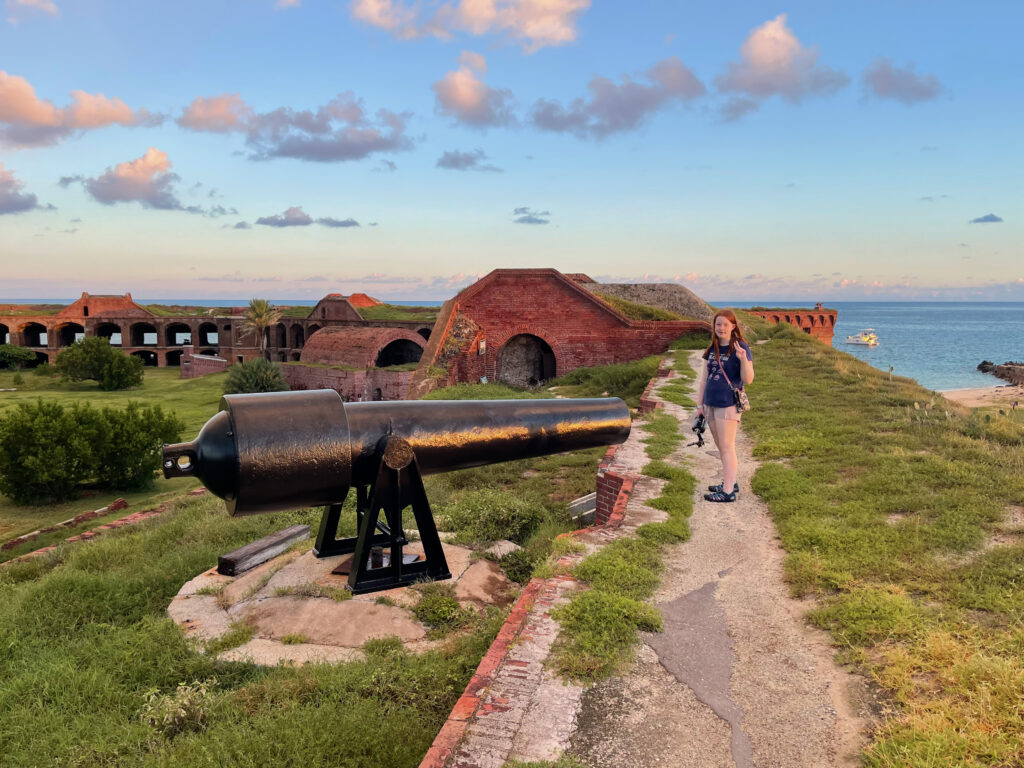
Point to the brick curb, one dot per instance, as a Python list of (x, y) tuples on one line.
[(469, 703), (132, 519)]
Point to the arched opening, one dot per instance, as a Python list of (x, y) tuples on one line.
[(807, 330), (810, 319), (110, 332), (143, 335), (69, 333), (377, 394), (296, 356), (148, 356), (526, 361), (177, 335), (788, 319), (208, 335), (284, 357), (832, 320), (312, 329), (797, 319), (821, 319), (34, 335), (5, 334), (424, 332), (280, 335), (399, 352), (174, 357), (210, 352), (775, 318), (298, 336)]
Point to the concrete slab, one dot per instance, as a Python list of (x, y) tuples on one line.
[(484, 583), (200, 616), (348, 624)]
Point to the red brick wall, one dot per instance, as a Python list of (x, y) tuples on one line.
[(580, 330), (193, 365), (351, 385)]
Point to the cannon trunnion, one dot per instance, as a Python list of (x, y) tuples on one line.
[(288, 450)]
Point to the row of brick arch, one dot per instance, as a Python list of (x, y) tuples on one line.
[(822, 320), (34, 334)]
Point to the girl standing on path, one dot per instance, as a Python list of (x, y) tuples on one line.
[(728, 359)]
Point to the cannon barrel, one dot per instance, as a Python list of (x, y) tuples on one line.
[(288, 450)]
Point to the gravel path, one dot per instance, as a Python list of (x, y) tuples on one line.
[(737, 678)]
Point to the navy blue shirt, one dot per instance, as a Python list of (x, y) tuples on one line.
[(717, 392)]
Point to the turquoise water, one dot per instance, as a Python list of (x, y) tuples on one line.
[(938, 343)]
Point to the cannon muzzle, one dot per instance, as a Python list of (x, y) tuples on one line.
[(288, 450)]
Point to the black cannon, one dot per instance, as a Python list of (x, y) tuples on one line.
[(288, 450)]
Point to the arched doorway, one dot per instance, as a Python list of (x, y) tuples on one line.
[(208, 335), (5, 334), (111, 332), (41, 357), (69, 333), (280, 336), (148, 357), (399, 352), (177, 335), (298, 336), (424, 332), (144, 335), (174, 357), (34, 335), (526, 361)]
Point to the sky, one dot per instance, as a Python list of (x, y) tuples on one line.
[(809, 151)]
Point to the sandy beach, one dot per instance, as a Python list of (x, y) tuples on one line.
[(982, 397)]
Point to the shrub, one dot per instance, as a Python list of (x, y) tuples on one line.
[(18, 380), (43, 369), (489, 514), (257, 375), (15, 357), (93, 359), (187, 710), (122, 371), (47, 451), (128, 454), (439, 609)]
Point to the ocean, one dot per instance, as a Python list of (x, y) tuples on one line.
[(938, 343)]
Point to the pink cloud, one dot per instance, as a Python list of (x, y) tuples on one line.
[(146, 180), (468, 99), (219, 114), (27, 121), (19, 9), (532, 23)]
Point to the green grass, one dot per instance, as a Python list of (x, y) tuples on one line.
[(883, 494), (399, 312), (175, 310), (489, 391), (86, 640), (636, 311), (625, 380)]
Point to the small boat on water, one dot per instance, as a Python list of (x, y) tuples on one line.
[(866, 337)]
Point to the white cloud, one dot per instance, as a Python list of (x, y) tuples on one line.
[(773, 62)]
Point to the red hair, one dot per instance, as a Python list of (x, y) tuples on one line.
[(734, 339)]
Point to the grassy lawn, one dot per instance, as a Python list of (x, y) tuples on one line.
[(399, 312), (897, 510)]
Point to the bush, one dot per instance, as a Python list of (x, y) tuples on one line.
[(47, 451), (43, 369), (18, 380), (187, 710), (128, 454), (257, 375), (490, 514), (93, 359), (15, 357)]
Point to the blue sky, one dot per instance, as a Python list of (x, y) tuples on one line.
[(291, 148)]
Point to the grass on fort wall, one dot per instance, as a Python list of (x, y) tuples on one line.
[(399, 312), (193, 400), (902, 517)]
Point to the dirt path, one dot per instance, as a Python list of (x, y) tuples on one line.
[(737, 678)]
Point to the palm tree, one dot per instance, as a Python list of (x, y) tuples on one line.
[(260, 315)]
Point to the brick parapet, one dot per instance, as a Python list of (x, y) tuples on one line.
[(818, 322)]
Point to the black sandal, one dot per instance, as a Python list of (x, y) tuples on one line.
[(720, 496), (721, 487)]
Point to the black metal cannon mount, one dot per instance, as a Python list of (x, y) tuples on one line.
[(288, 450)]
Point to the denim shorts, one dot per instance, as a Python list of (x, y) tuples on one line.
[(725, 413)]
